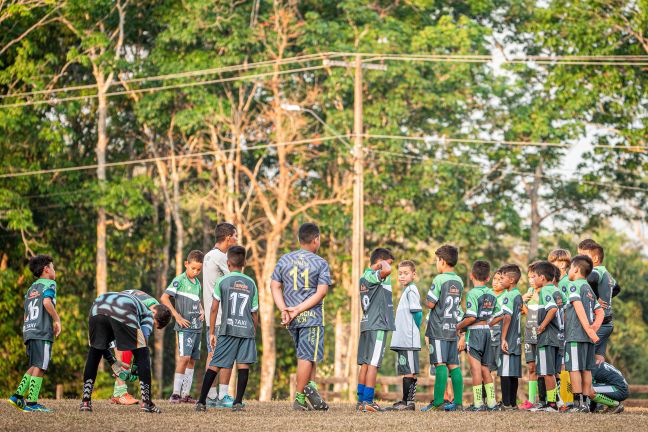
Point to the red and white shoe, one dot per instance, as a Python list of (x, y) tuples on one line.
[(526, 405), (125, 399)]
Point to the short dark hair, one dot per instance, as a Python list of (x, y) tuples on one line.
[(545, 269), (408, 263), (162, 316), (379, 254), (584, 244), (224, 230), (236, 256), (308, 232), (481, 270), (594, 247), (195, 256), (532, 266), (583, 263), (512, 269), (449, 254), (38, 263)]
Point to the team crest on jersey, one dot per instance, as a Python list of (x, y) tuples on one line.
[(572, 289), (453, 290), (505, 301), (34, 294), (240, 286), (566, 356), (176, 284), (468, 305), (402, 360), (548, 298)]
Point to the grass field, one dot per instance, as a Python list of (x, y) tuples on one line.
[(277, 416)]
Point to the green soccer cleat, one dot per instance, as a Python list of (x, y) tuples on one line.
[(17, 402), (315, 398), (299, 406)]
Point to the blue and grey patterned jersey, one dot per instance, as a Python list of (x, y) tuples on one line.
[(125, 308), (301, 272)]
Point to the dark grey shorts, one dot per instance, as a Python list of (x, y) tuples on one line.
[(603, 333), (478, 342), (443, 351), (407, 362), (39, 353), (509, 365), (494, 357), (309, 342), (230, 349), (371, 347), (579, 356), (611, 391), (188, 344), (548, 360)]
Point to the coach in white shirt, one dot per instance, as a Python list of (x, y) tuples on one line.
[(215, 266)]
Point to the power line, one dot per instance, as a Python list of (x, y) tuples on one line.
[(524, 173), (639, 149), (164, 158), (184, 74), (161, 88), (369, 57)]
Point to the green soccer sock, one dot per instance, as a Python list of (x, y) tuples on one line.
[(551, 395), (24, 384), (533, 391), (490, 394), (477, 396), (602, 399), (300, 397), (34, 389), (457, 385), (440, 384), (119, 390)]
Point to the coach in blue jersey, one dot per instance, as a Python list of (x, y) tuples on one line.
[(299, 284)]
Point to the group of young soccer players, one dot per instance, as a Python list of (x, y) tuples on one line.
[(568, 308)]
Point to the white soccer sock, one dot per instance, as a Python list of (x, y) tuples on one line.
[(177, 383), (213, 393), (187, 382), (222, 390)]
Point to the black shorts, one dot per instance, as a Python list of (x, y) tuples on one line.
[(103, 330)]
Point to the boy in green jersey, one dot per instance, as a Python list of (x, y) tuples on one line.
[(41, 326), (376, 323), (510, 360), (583, 318), (550, 327), (444, 301), (480, 305), (189, 316)]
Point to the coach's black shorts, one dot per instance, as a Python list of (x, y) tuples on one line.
[(103, 330)]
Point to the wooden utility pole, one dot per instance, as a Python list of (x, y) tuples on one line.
[(357, 248)]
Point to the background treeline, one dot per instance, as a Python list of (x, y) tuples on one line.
[(227, 149)]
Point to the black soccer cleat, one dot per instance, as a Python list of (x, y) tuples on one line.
[(150, 408), (86, 406), (315, 399), (200, 407)]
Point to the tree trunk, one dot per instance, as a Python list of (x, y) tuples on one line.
[(161, 283), (102, 144), (266, 311), (341, 348), (536, 219)]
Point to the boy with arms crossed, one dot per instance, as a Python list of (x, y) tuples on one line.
[(406, 340)]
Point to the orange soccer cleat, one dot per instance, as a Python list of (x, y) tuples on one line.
[(125, 399)]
